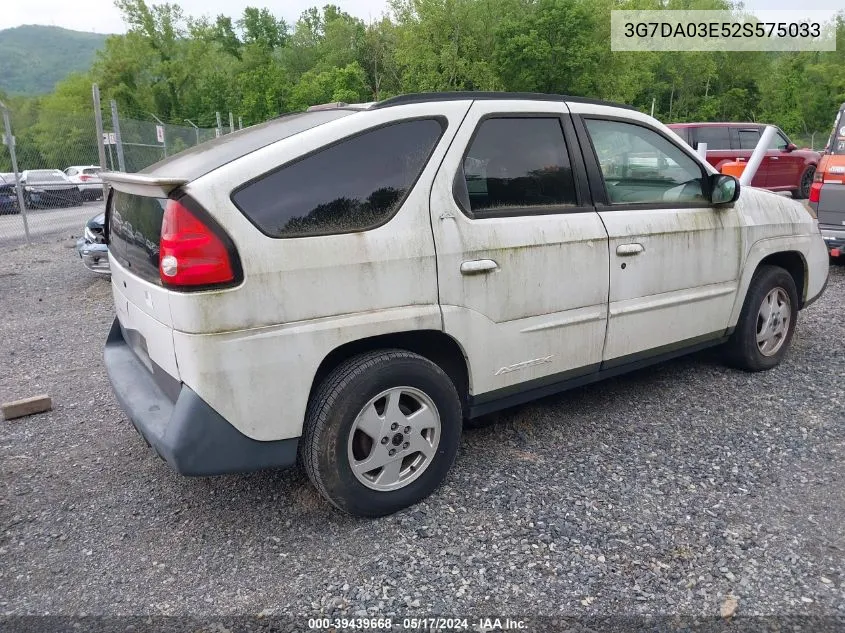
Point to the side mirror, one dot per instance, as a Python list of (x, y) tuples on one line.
[(790, 147), (723, 189)]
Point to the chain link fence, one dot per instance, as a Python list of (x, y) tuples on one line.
[(58, 166)]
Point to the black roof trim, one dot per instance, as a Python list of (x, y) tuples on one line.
[(423, 97)]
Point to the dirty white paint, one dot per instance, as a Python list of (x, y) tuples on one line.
[(557, 298)]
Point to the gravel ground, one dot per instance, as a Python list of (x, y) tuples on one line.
[(660, 492)]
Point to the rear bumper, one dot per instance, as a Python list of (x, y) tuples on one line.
[(830, 210), (834, 237), (180, 427)]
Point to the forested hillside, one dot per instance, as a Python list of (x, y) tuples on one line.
[(33, 58), (256, 66)]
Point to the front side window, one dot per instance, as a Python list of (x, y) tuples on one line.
[(353, 185), (639, 165), (778, 142), (518, 163)]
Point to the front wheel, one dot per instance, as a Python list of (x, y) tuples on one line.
[(767, 321), (381, 432)]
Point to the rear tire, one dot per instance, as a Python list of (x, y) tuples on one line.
[(803, 191), (767, 321), (382, 401)]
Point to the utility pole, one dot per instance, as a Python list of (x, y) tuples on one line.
[(98, 123), (118, 140), (240, 122), (219, 124), (9, 139), (196, 129), (231, 123)]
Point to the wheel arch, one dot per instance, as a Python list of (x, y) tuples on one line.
[(795, 264), (787, 252), (436, 346)]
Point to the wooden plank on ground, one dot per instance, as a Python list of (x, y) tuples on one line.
[(27, 406)]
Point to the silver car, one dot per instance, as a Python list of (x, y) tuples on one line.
[(91, 246)]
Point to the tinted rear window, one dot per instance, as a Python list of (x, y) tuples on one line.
[(135, 231), (716, 137), (748, 139), (205, 157), (353, 185)]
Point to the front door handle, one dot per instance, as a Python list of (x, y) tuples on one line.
[(624, 250), (477, 266)]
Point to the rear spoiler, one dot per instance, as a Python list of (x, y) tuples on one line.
[(142, 184)]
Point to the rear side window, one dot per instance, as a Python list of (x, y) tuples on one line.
[(716, 137), (748, 139), (353, 185), (518, 163)]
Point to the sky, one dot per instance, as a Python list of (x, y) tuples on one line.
[(101, 16)]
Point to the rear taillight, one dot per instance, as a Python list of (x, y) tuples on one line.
[(190, 253), (84, 178), (815, 191)]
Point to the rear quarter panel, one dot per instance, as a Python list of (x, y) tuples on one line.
[(252, 351)]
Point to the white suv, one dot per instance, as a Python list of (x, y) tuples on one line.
[(349, 284), (87, 178)]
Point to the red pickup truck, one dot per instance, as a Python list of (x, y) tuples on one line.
[(784, 168)]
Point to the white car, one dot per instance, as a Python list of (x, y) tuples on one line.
[(328, 285), (87, 178)]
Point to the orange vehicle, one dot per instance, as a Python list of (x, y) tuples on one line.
[(827, 193)]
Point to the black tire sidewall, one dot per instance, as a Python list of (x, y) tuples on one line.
[(762, 283), (337, 478), (803, 195)]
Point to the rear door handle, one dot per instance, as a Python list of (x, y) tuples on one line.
[(624, 250), (477, 266)]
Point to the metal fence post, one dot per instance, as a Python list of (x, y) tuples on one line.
[(121, 162), (10, 141), (98, 122), (196, 130), (163, 133)]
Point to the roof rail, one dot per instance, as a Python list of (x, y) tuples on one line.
[(327, 106), (340, 105), (424, 97)]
